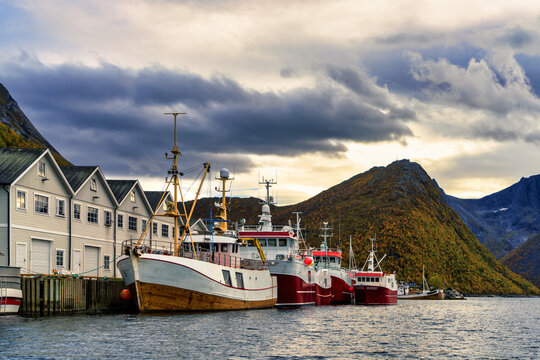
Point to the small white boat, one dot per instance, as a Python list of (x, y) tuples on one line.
[(426, 294), (10, 290)]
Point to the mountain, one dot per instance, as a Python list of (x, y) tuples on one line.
[(506, 219), (525, 260), (413, 224), (16, 130)]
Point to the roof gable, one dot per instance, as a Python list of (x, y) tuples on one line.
[(14, 162), (77, 175), (121, 188), (153, 198)]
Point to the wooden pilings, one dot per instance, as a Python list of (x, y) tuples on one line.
[(43, 296)]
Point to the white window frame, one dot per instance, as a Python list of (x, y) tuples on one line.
[(144, 224), (58, 207), (63, 266), (107, 266), (93, 184), (88, 214), (163, 227), (43, 173), (136, 223), (25, 208), (110, 222), (48, 204), (120, 225), (156, 225), (132, 196), (80, 212)]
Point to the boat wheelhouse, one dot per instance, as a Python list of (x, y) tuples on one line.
[(372, 286), (299, 282), (197, 271)]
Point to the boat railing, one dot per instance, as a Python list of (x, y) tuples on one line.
[(167, 248), (258, 228)]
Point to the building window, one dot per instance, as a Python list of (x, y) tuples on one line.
[(106, 262), (132, 223), (165, 230), (92, 215), (77, 211), (93, 185), (132, 196), (42, 169), (108, 218), (60, 258), (154, 228), (41, 204), (21, 200), (60, 207), (143, 225), (120, 221)]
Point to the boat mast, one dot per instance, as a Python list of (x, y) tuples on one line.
[(325, 235), (222, 214), (176, 183), (268, 184)]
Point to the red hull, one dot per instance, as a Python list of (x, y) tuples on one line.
[(323, 296), (341, 293), (293, 291), (374, 295)]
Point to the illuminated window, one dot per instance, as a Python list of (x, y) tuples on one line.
[(21, 200)]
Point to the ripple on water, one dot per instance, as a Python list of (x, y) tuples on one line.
[(492, 328)]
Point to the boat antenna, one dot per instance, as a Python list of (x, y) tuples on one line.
[(222, 213), (325, 235), (268, 184)]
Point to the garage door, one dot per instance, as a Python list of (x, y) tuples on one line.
[(41, 256), (91, 260)]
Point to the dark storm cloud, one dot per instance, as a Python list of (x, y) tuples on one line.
[(517, 37), (113, 116)]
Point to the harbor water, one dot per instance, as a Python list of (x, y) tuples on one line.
[(477, 328)]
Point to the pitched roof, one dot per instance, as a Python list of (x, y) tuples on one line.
[(121, 188), (77, 175), (153, 198), (14, 162)]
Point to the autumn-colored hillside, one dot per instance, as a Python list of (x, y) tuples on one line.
[(524, 260), (407, 213)]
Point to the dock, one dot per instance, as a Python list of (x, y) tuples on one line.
[(56, 295)]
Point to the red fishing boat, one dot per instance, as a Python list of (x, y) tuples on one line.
[(298, 281), (373, 286), (330, 259)]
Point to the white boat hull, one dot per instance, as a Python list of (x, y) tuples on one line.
[(171, 283), (10, 300)]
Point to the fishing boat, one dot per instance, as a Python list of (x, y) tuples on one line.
[(10, 290), (426, 294), (373, 286), (195, 272), (325, 258), (299, 282)]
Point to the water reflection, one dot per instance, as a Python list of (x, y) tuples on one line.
[(498, 328)]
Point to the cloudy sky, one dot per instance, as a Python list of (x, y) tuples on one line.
[(313, 91)]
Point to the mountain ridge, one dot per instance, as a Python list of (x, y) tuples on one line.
[(407, 213)]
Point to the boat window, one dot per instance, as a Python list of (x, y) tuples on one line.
[(251, 243), (224, 248), (309, 276), (271, 242), (203, 247), (239, 280), (282, 242), (262, 242), (333, 259), (215, 247), (227, 277)]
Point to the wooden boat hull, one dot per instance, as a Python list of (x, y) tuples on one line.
[(374, 295), (170, 283), (431, 295)]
